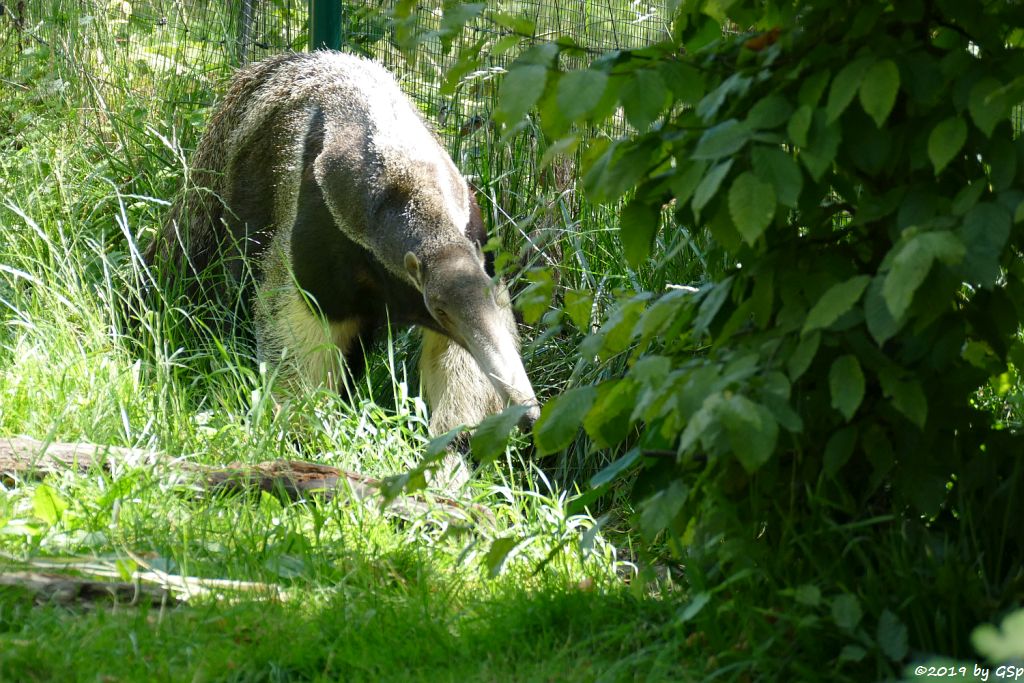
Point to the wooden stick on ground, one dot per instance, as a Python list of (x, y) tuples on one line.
[(292, 479)]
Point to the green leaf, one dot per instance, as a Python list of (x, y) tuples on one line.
[(498, 553), (638, 226), (907, 397), (881, 323), (608, 422), (684, 183), (1001, 644), (775, 166), (751, 205), (878, 90), (709, 186), (803, 355), (685, 80), (561, 419), (658, 511), (846, 384), (946, 139), (535, 300), (751, 429), (710, 305), (911, 264), (892, 636), (579, 304), (612, 472), (837, 300), (822, 145), (491, 436), (643, 98), (579, 92), (799, 125), (844, 87), (985, 231), (694, 607), (48, 505), (520, 90), (987, 105), (769, 112), (839, 449), (722, 140), (846, 611), (808, 594), (852, 653)]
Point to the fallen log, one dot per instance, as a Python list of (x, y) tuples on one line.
[(292, 480), (48, 588)]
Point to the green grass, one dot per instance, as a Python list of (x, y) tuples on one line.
[(84, 179)]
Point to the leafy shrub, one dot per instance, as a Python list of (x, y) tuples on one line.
[(857, 164)]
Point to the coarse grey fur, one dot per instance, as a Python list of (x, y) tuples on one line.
[(318, 172)]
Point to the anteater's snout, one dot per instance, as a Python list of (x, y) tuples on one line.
[(529, 418)]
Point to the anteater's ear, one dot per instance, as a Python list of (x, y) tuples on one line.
[(412, 266)]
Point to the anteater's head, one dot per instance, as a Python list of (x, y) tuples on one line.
[(473, 311)]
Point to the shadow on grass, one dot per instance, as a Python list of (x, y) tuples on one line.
[(397, 629)]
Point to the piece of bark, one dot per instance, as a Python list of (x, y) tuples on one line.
[(292, 479)]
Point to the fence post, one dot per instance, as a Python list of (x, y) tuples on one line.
[(324, 24)]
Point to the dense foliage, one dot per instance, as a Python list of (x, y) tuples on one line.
[(857, 166)]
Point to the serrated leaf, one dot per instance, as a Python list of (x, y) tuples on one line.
[(722, 140), (775, 166), (579, 304), (638, 225), (684, 182), (658, 511), (878, 90), (803, 355), (987, 105), (608, 421), (846, 611), (520, 90), (535, 300), (491, 437), (751, 205), (880, 321), (438, 446), (579, 92), (498, 553), (892, 636), (561, 419), (986, 230), (844, 87), (945, 140), (822, 145), (846, 384), (751, 429), (769, 112), (907, 396), (911, 264), (710, 305), (48, 505), (643, 98), (799, 125), (708, 187), (837, 300)]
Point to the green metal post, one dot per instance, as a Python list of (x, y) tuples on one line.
[(324, 24)]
